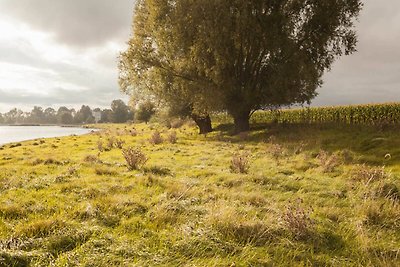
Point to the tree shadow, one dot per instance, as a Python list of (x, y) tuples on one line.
[(373, 145)]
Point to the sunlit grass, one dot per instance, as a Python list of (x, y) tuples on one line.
[(310, 195)]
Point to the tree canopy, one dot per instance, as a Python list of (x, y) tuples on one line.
[(236, 55), (121, 112)]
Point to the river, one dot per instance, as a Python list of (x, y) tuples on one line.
[(10, 134)]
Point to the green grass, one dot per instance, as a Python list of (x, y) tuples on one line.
[(310, 195)]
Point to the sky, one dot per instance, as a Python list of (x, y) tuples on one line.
[(64, 52)]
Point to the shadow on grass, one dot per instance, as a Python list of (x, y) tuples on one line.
[(370, 143)]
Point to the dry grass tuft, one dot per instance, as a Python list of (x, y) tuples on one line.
[(298, 220), (363, 173), (134, 158), (240, 163), (172, 137), (156, 138), (327, 162)]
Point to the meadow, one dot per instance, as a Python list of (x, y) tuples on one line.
[(283, 194)]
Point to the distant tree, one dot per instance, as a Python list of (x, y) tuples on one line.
[(14, 116), (106, 116), (84, 115), (120, 111), (1, 119), (145, 111), (64, 116), (50, 115), (37, 115), (239, 55)]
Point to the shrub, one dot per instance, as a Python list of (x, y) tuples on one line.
[(156, 138), (172, 137), (298, 221), (134, 158), (240, 163), (119, 143)]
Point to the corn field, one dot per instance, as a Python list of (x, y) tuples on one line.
[(358, 114)]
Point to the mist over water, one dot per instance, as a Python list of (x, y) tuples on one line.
[(9, 134)]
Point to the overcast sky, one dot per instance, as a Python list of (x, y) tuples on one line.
[(63, 52)]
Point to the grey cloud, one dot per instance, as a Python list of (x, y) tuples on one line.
[(75, 22), (371, 74)]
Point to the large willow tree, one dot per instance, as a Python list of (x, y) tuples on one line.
[(236, 55)]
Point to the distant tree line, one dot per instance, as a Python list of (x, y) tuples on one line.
[(118, 112)]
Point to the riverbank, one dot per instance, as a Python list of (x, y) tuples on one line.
[(281, 195)]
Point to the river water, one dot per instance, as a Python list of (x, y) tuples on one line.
[(9, 134)]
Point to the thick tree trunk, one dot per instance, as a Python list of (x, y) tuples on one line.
[(241, 121), (203, 122)]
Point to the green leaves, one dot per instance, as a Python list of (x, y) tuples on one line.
[(236, 55)]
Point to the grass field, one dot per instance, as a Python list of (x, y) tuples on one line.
[(280, 195)]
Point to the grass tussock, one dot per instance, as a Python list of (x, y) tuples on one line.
[(40, 228), (101, 170)]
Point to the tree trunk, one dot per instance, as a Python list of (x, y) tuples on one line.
[(241, 121), (203, 122)]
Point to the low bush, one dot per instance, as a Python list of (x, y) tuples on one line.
[(134, 158), (156, 138), (240, 163), (119, 143), (298, 220)]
